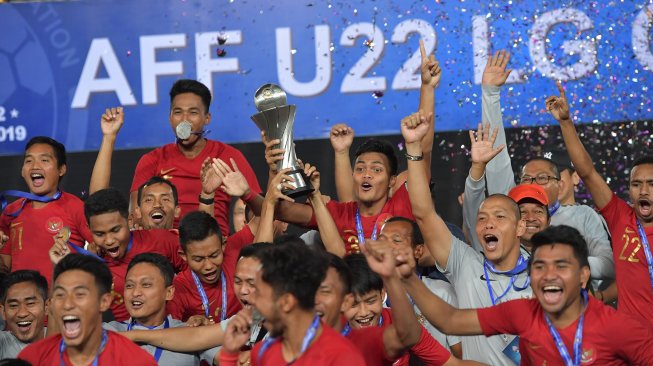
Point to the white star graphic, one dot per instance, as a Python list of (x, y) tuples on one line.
[(14, 113)]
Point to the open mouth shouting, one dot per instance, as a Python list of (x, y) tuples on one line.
[(644, 207), (491, 242), (113, 252), (211, 277), (366, 186), (72, 326), (365, 322), (552, 294), (38, 179), (158, 217), (24, 326)]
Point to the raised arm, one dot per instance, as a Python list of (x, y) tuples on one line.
[(435, 232), (326, 226), (500, 177), (111, 121), (265, 232), (181, 339), (599, 189), (341, 137), (431, 74)]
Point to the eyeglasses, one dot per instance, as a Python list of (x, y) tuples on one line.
[(540, 179)]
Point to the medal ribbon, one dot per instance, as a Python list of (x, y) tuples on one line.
[(359, 229), (578, 339), (205, 299), (27, 196), (521, 266), (159, 351), (62, 349), (308, 338), (647, 249)]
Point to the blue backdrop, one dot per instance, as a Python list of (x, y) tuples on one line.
[(62, 63)]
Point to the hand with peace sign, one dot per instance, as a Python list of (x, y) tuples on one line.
[(431, 71), (558, 106)]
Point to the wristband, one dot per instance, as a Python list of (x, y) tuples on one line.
[(414, 157), (249, 196), (227, 357), (206, 201)]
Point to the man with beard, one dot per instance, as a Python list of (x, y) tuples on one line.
[(24, 306)]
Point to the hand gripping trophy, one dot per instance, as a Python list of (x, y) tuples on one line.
[(276, 118)]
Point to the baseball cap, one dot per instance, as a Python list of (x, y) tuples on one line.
[(529, 192), (560, 158)]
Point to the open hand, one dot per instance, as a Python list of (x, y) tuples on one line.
[(495, 72), (482, 144)]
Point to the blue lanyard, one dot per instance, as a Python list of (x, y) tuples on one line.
[(205, 299), (554, 209), (647, 249), (578, 339), (62, 349), (159, 351), (308, 338), (521, 266), (27, 196), (81, 250), (359, 229)]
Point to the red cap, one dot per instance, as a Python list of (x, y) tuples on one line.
[(529, 191)]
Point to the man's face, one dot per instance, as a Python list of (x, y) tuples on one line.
[(189, 107), (329, 298), (244, 278), (157, 209), (556, 277), (146, 294), (40, 170), (239, 218), (498, 229), (266, 302), (568, 180), (205, 258), (398, 233), (372, 179), (641, 189), (536, 219), (78, 306), (111, 233), (24, 312), (366, 309), (539, 168)]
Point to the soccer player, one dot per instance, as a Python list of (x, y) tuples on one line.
[(181, 162), (630, 226), (499, 178), (285, 288), (148, 286), (23, 305), (106, 211), (81, 292), (28, 224), (479, 279), (205, 287), (562, 325)]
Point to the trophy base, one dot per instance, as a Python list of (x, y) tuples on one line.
[(304, 187)]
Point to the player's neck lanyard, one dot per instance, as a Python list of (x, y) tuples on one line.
[(554, 209), (166, 325), (647, 249), (521, 266), (205, 299), (28, 196), (578, 338), (79, 249), (359, 229), (308, 338), (62, 349)]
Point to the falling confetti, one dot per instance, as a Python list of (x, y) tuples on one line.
[(222, 40), (220, 52), (377, 94)]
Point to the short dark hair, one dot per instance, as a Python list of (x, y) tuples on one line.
[(341, 267), (646, 159), (364, 279), (58, 147), (417, 237), (514, 206), (158, 261), (249, 251), (292, 268), (197, 226), (20, 276), (106, 201), (382, 147), (191, 86), (158, 180), (89, 264), (552, 164), (561, 234)]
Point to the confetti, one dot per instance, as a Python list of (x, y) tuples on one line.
[(220, 52), (377, 94), (222, 40)]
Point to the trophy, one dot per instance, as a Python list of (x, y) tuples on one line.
[(276, 118)]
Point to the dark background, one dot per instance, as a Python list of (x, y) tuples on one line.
[(613, 148)]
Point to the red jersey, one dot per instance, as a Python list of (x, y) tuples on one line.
[(118, 351), (168, 162), (187, 300), (31, 232), (158, 241), (330, 348), (344, 216), (609, 338), (633, 280)]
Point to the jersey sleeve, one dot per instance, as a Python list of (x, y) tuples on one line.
[(402, 205), (498, 319), (613, 210), (474, 195), (145, 169), (239, 240), (5, 224), (82, 225), (429, 350), (499, 175), (334, 209)]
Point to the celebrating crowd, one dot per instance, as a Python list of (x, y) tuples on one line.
[(193, 267)]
